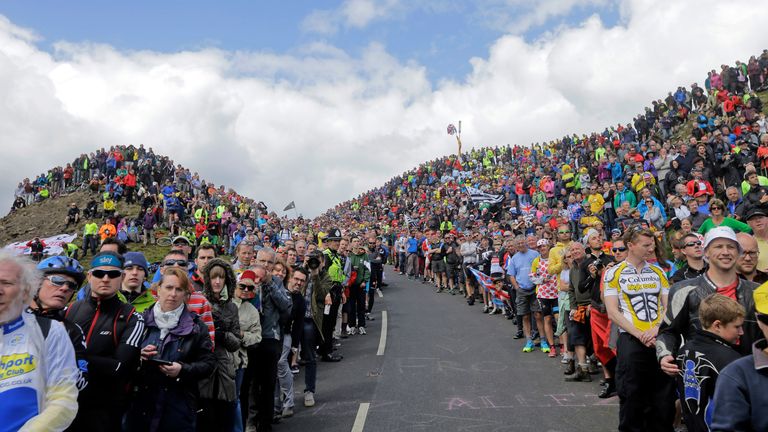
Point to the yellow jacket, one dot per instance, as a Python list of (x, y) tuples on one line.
[(556, 258)]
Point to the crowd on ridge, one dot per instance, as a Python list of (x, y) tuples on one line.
[(608, 249)]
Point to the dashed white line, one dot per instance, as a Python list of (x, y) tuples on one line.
[(383, 338), (362, 414)]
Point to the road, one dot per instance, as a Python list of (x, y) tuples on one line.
[(445, 367)]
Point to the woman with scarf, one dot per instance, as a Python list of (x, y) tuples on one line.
[(175, 354), (218, 392)]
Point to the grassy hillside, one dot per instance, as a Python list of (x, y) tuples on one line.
[(48, 218)]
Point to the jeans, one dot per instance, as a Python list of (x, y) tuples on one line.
[(356, 305), (238, 411), (308, 342), (261, 404), (284, 391)]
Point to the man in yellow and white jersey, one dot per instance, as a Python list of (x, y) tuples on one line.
[(635, 297)]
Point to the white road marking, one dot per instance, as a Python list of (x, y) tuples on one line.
[(362, 414), (383, 338)]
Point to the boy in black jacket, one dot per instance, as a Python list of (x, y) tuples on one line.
[(703, 357)]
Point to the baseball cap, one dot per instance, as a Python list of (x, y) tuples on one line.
[(760, 295), (107, 259), (721, 232), (181, 238), (248, 274), (136, 259), (756, 212), (542, 242)]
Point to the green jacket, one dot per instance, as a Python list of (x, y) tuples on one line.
[(144, 301), (357, 262), (91, 229)]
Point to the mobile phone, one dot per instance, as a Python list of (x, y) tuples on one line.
[(159, 362)]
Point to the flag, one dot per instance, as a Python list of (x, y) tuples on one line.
[(412, 223), (478, 196), (291, 205), (486, 282), (451, 129)]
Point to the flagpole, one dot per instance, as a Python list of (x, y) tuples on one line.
[(458, 141)]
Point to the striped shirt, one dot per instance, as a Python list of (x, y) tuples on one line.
[(199, 304)]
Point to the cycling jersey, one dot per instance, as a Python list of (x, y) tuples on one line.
[(639, 292), (38, 376)]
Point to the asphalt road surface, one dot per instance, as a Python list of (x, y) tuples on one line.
[(444, 366)]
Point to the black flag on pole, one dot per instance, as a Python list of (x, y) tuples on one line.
[(291, 205)]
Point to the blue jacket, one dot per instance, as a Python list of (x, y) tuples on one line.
[(643, 207), (741, 402), (413, 245), (617, 172)]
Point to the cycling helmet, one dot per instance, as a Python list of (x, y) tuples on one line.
[(62, 265)]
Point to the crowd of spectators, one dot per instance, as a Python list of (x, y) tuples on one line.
[(555, 226), (575, 241)]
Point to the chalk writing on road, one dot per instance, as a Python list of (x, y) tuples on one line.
[(415, 364)]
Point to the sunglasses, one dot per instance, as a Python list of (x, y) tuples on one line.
[(693, 243), (563, 232), (171, 263), (60, 281), (246, 287), (112, 274), (715, 208), (619, 249)]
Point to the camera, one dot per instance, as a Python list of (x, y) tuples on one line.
[(598, 264), (313, 260)]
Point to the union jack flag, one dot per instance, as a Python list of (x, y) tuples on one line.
[(487, 283), (451, 129)]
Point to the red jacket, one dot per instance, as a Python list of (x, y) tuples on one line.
[(130, 180)]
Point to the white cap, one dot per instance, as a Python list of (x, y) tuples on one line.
[(721, 232), (590, 233)]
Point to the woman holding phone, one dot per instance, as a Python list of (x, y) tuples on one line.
[(175, 354)]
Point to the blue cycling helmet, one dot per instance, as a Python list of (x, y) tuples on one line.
[(62, 265)]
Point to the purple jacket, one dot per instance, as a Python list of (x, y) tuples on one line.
[(149, 221)]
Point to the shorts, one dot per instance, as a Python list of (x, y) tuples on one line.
[(438, 266), (579, 333), (526, 302), (548, 306), (451, 270)]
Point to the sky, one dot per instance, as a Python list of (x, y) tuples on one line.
[(318, 101)]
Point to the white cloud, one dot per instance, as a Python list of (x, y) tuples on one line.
[(320, 126), (350, 14)]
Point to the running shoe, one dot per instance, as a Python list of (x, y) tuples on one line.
[(351, 330), (544, 347), (361, 330), (528, 346)]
